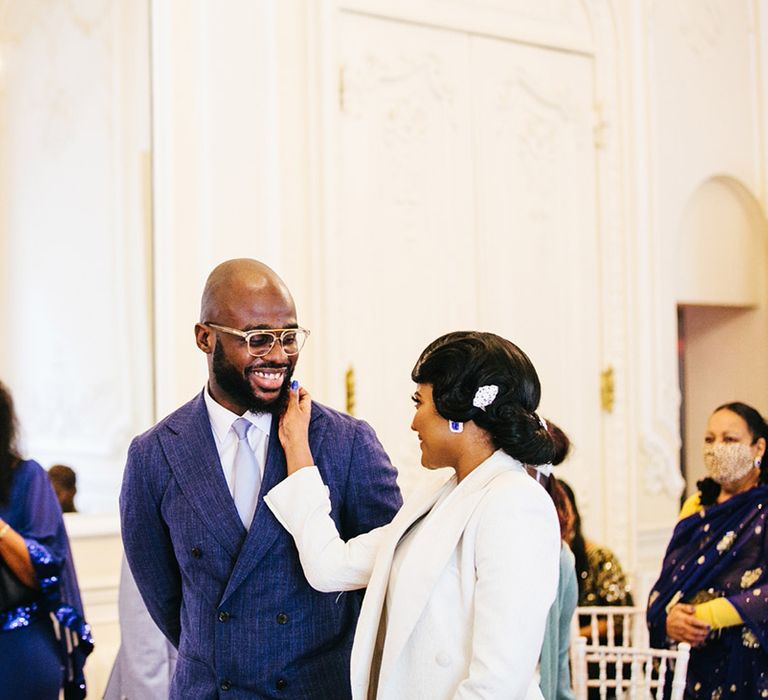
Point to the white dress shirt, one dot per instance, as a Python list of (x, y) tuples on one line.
[(226, 441)]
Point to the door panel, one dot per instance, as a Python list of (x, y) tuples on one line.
[(536, 235), (466, 200), (405, 238)]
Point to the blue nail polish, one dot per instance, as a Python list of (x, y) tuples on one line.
[(294, 384)]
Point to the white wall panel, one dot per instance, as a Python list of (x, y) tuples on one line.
[(537, 235), (74, 132)]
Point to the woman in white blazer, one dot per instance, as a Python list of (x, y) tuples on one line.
[(460, 582)]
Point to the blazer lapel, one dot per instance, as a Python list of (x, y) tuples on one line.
[(430, 553), (189, 447), (376, 592), (265, 527)]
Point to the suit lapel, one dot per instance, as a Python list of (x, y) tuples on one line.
[(190, 449), (429, 554), (265, 527)]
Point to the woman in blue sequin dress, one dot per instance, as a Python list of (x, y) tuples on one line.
[(44, 640)]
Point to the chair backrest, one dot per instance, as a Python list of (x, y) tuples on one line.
[(612, 625), (629, 673)]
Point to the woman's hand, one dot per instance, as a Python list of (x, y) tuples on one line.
[(294, 429), (684, 626), (13, 549)]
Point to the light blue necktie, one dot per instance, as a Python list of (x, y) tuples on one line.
[(247, 476)]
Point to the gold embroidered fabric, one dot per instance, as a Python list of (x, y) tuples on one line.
[(604, 582)]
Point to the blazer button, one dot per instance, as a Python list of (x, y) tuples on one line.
[(223, 616), (226, 684), (443, 659), (197, 552), (282, 618), (281, 684)]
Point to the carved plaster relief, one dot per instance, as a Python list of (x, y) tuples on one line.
[(660, 471), (699, 24), (539, 120), (408, 96)]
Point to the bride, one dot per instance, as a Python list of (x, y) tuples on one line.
[(460, 582)]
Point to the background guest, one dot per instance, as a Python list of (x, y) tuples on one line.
[(146, 660), (713, 587), (600, 576), (38, 582), (554, 669), (64, 481)]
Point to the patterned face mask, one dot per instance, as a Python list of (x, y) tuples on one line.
[(727, 463)]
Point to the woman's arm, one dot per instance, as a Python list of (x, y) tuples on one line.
[(517, 552), (302, 506), (718, 613), (13, 550)]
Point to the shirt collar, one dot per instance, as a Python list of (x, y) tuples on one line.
[(222, 418)]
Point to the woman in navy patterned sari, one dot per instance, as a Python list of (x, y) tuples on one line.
[(713, 587)]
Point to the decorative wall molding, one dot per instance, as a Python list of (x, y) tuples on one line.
[(661, 474), (615, 312), (559, 23)]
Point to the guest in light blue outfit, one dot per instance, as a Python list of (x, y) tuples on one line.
[(554, 671)]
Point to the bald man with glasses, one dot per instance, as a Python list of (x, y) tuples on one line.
[(219, 575)]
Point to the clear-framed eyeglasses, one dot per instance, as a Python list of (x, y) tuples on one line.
[(260, 342)]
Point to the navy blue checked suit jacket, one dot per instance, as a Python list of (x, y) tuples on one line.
[(235, 603)]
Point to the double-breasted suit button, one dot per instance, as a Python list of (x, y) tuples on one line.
[(223, 616), (197, 552), (281, 684), (226, 684), (282, 618), (443, 659)]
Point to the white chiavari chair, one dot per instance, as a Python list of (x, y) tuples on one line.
[(629, 673), (611, 625)]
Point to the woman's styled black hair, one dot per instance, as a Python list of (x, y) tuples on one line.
[(9, 455), (758, 428), (457, 364)]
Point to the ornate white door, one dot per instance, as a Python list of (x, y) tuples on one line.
[(466, 199)]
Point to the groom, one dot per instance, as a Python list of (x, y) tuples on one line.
[(219, 575)]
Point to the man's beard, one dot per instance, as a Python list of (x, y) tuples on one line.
[(238, 388)]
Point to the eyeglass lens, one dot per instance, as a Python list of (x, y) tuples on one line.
[(261, 343)]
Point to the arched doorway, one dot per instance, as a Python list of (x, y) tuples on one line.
[(722, 294)]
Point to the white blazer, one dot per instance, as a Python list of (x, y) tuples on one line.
[(468, 609)]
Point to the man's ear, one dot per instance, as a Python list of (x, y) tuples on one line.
[(204, 338)]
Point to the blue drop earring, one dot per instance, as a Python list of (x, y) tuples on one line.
[(455, 426)]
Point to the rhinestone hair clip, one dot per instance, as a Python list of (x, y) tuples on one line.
[(484, 396)]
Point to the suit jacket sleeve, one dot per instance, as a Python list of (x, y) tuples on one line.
[(302, 505), (372, 497), (147, 543), (517, 554)]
